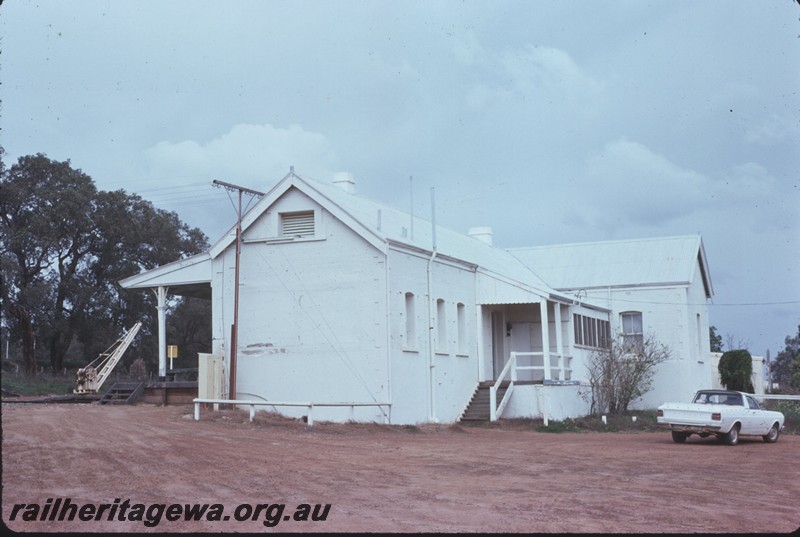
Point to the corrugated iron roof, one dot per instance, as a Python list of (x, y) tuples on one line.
[(620, 263), (541, 269), (395, 225)]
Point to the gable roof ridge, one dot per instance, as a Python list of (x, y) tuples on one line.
[(611, 241), (454, 244)]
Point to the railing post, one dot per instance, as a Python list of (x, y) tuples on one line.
[(514, 367), (545, 339), (559, 341), (197, 412), (310, 418), (252, 411), (492, 404)]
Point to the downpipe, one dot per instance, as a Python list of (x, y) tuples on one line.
[(431, 358)]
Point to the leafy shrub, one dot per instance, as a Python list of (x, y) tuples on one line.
[(791, 413), (736, 370)]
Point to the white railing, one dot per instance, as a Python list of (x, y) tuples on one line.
[(510, 368), (560, 366), (776, 396), (560, 369), (253, 404)]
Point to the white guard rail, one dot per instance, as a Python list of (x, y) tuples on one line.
[(561, 370), (558, 368), (776, 396), (511, 367), (252, 404)]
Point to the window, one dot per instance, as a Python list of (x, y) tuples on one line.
[(591, 332), (576, 322), (462, 328), (699, 336), (604, 334), (632, 335), (411, 322), (441, 324), (299, 224)]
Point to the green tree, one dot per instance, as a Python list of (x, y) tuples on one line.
[(135, 237), (44, 213), (736, 370), (716, 339), (624, 372), (64, 246), (189, 327), (785, 369)]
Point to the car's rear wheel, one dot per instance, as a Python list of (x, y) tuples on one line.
[(731, 437), (680, 437), (772, 436)]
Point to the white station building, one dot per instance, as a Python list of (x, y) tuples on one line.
[(346, 300)]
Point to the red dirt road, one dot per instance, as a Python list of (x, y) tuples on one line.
[(389, 479)]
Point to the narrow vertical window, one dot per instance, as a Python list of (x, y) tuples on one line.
[(700, 352), (576, 322), (441, 325), (462, 328), (411, 322), (587, 335)]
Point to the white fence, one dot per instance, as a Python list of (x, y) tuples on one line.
[(254, 404), (776, 396)]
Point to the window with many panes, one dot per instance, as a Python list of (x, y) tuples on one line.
[(591, 332), (632, 334)]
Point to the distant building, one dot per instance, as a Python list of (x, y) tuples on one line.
[(343, 299)]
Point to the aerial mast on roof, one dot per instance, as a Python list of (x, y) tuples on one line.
[(235, 326), (411, 212), (433, 218)]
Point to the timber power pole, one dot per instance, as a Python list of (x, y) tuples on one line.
[(235, 326)]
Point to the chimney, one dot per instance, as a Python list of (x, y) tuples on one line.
[(345, 181), (483, 234)]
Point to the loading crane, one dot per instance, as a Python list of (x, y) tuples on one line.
[(92, 377)]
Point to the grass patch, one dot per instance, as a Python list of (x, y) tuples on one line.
[(645, 420), (44, 382), (38, 384), (568, 425)]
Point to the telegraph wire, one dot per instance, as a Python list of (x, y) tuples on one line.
[(616, 299)]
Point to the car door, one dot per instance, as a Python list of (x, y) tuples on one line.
[(758, 420)]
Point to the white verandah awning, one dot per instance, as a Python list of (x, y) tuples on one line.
[(185, 277)]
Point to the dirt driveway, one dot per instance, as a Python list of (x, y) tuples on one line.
[(383, 479)]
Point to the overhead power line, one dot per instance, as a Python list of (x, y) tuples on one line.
[(780, 303)]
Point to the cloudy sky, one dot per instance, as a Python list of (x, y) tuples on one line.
[(551, 122)]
